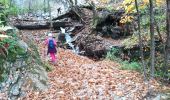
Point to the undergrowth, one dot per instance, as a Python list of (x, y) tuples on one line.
[(125, 65), (114, 55)]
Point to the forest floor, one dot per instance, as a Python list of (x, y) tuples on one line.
[(78, 77)]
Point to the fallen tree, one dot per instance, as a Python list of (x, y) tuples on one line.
[(56, 25), (33, 26)]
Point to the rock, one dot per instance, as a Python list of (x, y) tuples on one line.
[(23, 45), (165, 96), (17, 80), (15, 90), (38, 75)]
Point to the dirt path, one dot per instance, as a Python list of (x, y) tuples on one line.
[(78, 77)]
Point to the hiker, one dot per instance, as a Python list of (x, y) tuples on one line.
[(51, 43), (59, 10)]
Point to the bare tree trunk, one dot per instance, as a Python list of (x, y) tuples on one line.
[(158, 31), (49, 8), (44, 6), (71, 3), (30, 4), (76, 2), (152, 39), (10, 3), (167, 46), (140, 41), (116, 1), (94, 13)]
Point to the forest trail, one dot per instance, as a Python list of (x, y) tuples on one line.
[(78, 77)]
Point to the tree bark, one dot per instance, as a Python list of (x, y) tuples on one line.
[(55, 25), (49, 8), (94, 14), (76, 2), (71, 3), (140, 41), (11, 3), (158, 31), (30, 4), (167, 46), (152, 39), (44, 6), (32, 27)]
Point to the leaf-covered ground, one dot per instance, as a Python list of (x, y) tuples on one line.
[(78, 77)]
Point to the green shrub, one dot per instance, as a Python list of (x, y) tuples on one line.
[(131, 66), (113, 55)]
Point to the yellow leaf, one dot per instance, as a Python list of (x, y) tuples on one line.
[(130, 8), (142, 6), (145, 1), (128, 1), (160, 2)]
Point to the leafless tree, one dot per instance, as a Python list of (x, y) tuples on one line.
[(49, 8), (140, 40), (152, 55), (167, 45)]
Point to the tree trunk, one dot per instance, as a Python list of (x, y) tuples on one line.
[(140, 41), (95, 19), (55, 25), (152, 39), (11, 3), (158, 31), (167, 46), (32, 27), (30, 4), (49, 8), (76, 2), (44, 6), (71, 3)]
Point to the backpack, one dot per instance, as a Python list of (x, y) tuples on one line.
[(51, 44)]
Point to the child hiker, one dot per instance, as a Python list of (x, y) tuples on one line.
[(51, 43)]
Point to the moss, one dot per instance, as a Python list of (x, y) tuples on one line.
[(1, 73), (47, 67), (14, 52)]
